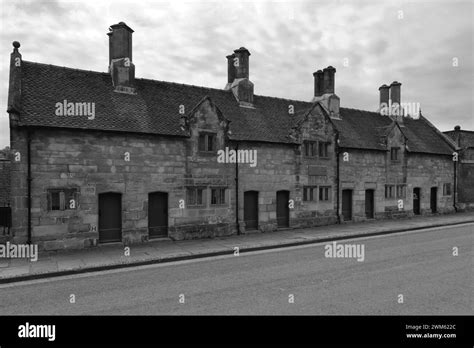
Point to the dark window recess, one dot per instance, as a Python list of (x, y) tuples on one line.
[(218, 196), (401, 191), (310, 148), (389, 191), (324, 193), (394, 153), (308, 193), (207, 142), (447, 189), (62, 199), (323, 149), (194, 196)]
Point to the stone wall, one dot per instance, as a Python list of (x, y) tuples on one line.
[(136, 165)]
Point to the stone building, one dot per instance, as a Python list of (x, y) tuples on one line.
[(108, 157), (465, 171)]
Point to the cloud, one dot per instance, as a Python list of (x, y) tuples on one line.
[(187, 41)]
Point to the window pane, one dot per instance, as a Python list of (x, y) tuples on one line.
[(190, 196), (210, 143), (62, 200), (222, 196), (199, 196), (201, 145), (55, 200)]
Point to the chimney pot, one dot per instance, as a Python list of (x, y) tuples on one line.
[(395, 92), (230, 68), (318, 83), (457, 128), (242, 69), (384, 94), (120, 41), (329, 80)]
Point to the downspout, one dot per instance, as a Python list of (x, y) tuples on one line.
[(455, 184), (29, 179), (337, 178), (237, 191)]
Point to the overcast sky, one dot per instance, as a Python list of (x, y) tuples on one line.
[(426, 45)]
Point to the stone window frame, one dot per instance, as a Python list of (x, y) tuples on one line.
[(311, 189), (62, 201), (310, 148), (395, 154), (203, 196), (323, 197), (323, 149), (205, 135), (401, 191), (390, 191), (224, 195), (447, 189)]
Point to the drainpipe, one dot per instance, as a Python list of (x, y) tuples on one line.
[(455, 184), (337, 178), (237, 191), (29, 179)]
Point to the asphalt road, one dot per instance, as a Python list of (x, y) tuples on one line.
[(418, 265)]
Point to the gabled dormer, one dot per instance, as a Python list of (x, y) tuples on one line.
[(207, 128), (315, 132)]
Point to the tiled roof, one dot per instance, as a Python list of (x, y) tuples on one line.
[(466, 138), (155, 110)]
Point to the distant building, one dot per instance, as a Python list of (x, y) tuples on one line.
[(108, 157), (465, 141)]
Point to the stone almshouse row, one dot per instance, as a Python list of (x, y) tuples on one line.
[(104, 157)]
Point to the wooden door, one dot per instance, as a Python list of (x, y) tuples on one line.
[(158, 214), (434, 199), (369, 204), (283, 210), (110, 217), (347, 205), (251, 210), (416, 200)]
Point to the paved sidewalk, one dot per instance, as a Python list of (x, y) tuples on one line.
[(112, 256)]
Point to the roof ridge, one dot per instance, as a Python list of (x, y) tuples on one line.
[(372, 112), (66, 67), (461, 130)]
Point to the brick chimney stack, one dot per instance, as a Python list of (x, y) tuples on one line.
[(238, 77), (120, 58), (324, 91)]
